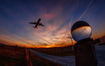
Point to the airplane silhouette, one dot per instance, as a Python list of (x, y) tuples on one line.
[(37, 23)]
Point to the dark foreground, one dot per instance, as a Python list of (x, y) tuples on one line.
[(70, 60), (12, 56), (19, 56)]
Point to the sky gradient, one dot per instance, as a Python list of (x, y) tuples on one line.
[(57, 15)]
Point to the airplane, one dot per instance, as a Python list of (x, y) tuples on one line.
[(37, 23)]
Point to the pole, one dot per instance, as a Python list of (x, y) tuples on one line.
[(85, 54)]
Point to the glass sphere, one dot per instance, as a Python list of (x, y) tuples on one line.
[(81, 30)]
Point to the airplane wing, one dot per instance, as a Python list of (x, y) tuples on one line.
[(41, 24), (32, 22)]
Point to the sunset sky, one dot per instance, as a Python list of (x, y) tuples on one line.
[(57, 15)]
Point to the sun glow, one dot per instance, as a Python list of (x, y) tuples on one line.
[(48, 46)]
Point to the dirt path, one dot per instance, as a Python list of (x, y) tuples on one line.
[(70, 60), (63, 60), (29, 63)]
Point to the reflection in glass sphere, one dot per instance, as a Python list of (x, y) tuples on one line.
[(81, 30)]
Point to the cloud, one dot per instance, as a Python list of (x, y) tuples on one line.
[(57, 19), (85, 11), (9, 37), (55, 26)]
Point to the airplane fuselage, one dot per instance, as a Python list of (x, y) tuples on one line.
[(37, 23)]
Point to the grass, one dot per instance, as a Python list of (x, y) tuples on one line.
[(38, 61), (56, 51), (101, 44), (15, 56), (59, 53), (12, 56)]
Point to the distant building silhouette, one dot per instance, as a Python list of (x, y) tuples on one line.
[(96, 41), (102, 39), (1, 44)]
